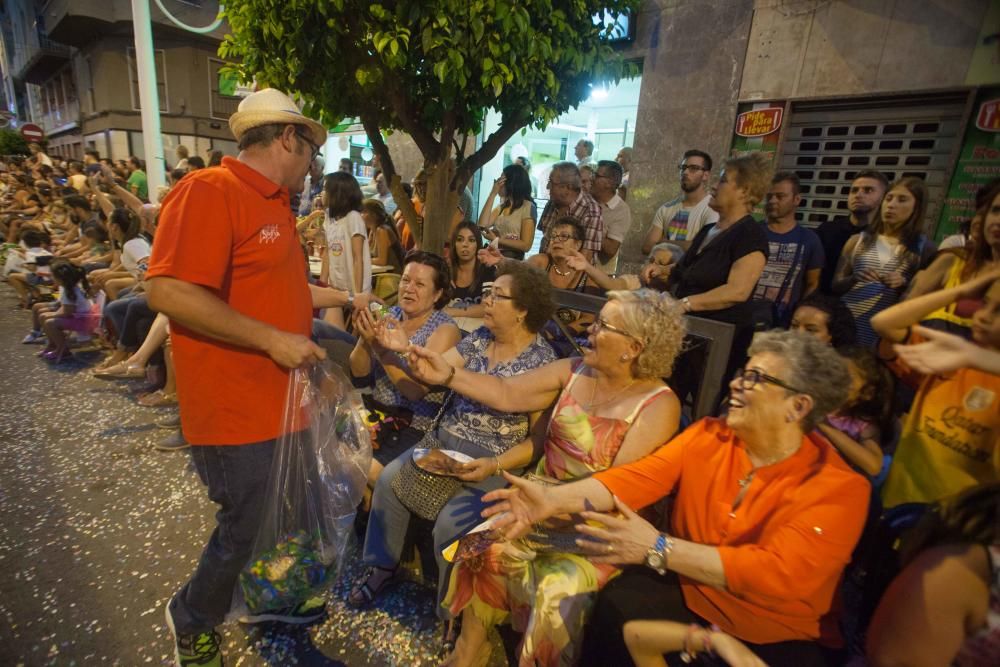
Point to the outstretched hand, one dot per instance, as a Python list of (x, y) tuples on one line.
[(390, 335), (624, 539), (428, 366), (576, 261), (941, 353), (490, 256), (519, 506)]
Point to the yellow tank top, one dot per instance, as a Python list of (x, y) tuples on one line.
[(948, 314)]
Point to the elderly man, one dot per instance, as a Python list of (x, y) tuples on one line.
[(615, 212), (584, 152), (228, 271), (566, 197)]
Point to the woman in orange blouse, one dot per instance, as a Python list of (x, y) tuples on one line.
[(766, 516)]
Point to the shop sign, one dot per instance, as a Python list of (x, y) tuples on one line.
[(988, 118), (977, 165), (759, 122)]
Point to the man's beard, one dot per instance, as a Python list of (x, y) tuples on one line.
[(689, 187)]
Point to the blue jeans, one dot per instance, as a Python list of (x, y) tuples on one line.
[(236, 477), (321, 329), (389, 518)]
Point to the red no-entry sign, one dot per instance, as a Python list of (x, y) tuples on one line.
[(32, 132)]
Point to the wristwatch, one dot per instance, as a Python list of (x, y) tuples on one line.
[(656, 557), (350, 300)]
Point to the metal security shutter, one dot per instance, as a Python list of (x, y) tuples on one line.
[(826, 143)]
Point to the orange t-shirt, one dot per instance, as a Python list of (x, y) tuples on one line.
[(950, 439), (783, 548), (231, 230)]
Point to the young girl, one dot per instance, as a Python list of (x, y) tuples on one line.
[(74, 312), (349, 259), (513, 221), (876, 266), (468, 274), (950, 439), (856, 429)]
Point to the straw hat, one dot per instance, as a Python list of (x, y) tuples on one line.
[(272, 106)]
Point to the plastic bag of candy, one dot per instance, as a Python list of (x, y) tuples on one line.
[(318, 476)]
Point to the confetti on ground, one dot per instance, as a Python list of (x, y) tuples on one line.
[(98, 529)]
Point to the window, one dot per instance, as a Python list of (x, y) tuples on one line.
[(220, 104), (161, 79)]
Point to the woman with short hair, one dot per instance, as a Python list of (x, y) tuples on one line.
[(765, 518)]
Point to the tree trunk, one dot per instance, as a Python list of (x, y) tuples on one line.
[(440, 207)]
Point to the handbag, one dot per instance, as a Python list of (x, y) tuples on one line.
[(425, 493)]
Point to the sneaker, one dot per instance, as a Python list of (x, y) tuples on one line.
[(169, 422), (172, 443), (34, 338), (201, 650), (309, 611)]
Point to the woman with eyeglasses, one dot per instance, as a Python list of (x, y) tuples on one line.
[(765, 518), (515, 307), (611, 407)]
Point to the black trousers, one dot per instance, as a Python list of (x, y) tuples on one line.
[(639, 593)]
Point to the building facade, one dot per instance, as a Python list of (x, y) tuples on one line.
[(76, 60)]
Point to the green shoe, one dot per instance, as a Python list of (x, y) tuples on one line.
[(201, 650), (309, 611)]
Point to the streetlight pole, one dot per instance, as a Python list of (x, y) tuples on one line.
[(149, 99)]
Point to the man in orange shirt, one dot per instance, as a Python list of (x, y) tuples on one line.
[(228, 270), (766, 516)]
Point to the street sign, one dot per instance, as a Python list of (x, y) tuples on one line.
[(32, 132)]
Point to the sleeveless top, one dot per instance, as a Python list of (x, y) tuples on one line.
[(867, 299), (384, 391), (960, 312), (983, 648), (577, 443)]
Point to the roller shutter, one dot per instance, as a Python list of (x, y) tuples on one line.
[(827, 142)]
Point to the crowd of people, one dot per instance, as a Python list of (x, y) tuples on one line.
[(590, 510)]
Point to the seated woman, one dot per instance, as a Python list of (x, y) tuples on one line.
[(826, 318), (654, 273), (516, 307), (765, 518), (950, 440), (950, 269), (383, 241), (468, 273), (611, 407), (512, 222), (423, 292), (942, 608)]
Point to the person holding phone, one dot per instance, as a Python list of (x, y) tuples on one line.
[(512, 222)]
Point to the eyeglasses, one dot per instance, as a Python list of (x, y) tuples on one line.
[(601, 323), (315, 148), (562, 237), (692, 167), (488, 293), (749, 378)]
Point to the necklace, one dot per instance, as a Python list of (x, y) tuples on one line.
[(560, 273), (593, 392)]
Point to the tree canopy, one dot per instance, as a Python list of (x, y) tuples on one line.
[(429, 68)]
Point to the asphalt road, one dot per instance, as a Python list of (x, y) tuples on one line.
[(98, 530)]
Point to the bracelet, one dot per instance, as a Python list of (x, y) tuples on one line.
[(688, 654), (447, 380), (499, 467)]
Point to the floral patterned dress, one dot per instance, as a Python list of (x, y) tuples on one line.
[(547, 596)]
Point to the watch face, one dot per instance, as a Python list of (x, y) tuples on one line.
[(654, 559)]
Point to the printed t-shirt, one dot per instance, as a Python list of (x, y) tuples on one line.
[(795, 252), (783, 548), (682, 223), (950, 439), (135, 256), (231, 230), (339, 237)]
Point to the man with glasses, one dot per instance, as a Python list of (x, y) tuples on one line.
[(228, 270), (615, 212), (680, 219), (567, 198)]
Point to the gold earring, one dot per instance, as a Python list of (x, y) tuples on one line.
[(624, 357)]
